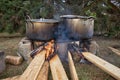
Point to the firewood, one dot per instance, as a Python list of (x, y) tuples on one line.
[(72, 67), (15, 60), (115, 50), (32, 71), (43, 74), (104, 65), (58, 72)]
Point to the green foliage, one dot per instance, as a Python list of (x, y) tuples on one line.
[(9, 28), (12, 13), (106, 13), (89, 13)]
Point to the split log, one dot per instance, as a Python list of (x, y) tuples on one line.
[(43, 74), (2, 62), (115, 50), (104, 65), (58, 72), (34, 68), (72, 67), (15, 60)]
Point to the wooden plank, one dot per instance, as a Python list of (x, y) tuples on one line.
[(33, 69), (115, 50), (15, 77), (43, 74), (12, 78), (104, 65), (72, 68), (58, 72)]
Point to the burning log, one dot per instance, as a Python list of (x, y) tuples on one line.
[(36, 51), (31, 73), (15, 60), (72, 67), (2, 62), (104, 65), (49, 48), (75, 48), (43, 74), (58, 72), (115, 50)]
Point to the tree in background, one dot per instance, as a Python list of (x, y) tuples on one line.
[(106, 12)]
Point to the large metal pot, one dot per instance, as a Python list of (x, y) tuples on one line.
[(79, 27), (41, 29)]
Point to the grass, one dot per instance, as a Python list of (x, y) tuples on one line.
[(91, 72), (12, 70), (84, 71), (9, 46)]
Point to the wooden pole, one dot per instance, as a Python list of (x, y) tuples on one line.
[(72, 68), (58, 72), (115, 50), (43, 74), (104, 65), (33, 69)]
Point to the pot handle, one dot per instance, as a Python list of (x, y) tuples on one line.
[(91, 17), (27, 17)]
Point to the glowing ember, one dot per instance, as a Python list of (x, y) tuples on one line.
[(49, 48)]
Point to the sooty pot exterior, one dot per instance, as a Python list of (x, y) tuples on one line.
[(79, 27), (41, 29)]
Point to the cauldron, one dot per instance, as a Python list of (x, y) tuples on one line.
[(79, 27), (41, 29)]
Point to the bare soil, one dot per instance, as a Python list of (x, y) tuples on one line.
[(85, 71)]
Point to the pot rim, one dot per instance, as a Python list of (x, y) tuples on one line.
[(43, 20), (76, 17)]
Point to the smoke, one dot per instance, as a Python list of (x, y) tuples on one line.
[(60, 9), (61, 33)]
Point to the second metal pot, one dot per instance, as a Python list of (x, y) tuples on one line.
[(79, 27)]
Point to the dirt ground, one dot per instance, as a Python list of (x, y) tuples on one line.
[(85, 71)]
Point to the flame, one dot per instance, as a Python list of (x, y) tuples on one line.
[(49, 48)]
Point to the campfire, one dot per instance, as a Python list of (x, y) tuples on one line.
[(53, 41), (48, 46), (60, 37)]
